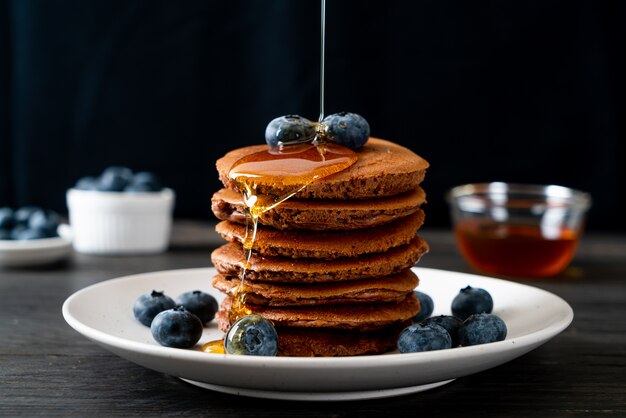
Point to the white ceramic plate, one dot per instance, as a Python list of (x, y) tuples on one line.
[(103, 313), (36, 252)]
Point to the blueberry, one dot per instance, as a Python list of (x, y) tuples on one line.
[(22, 215), (147, 306), (419, 337), (349, 129), (87, 183), (201, 304), (46, 221), (452, 324), (25, 234), (426, 306), (5, 234), (138, 188), (144, 181), (289, 129), (115, 179), (252, 335), (471, 301), (176, 327), (482, 329), (17, 231), (6, 218)]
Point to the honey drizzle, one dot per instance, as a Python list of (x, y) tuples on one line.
[(214, 347), (294, 167), (322, 59)]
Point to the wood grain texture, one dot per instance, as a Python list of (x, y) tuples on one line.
[(47, 369)]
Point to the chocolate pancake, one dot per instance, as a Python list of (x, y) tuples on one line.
[(229, 261), (392, 288), (310, 342), (363, 317), (326, 244), (383, 169), (322, 215), (327, 342)]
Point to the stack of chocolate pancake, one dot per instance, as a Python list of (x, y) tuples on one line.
[(330, 266)]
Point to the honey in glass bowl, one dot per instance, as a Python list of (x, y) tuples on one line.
[(517, 230)]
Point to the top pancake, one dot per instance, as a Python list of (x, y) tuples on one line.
[(382, 169)]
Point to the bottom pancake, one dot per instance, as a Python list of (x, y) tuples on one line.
[(306, 342), (324, 342)]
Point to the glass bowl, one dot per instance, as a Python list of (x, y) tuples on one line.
[(517, 230)]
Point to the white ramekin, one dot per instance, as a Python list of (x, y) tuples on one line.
[(120, 223)]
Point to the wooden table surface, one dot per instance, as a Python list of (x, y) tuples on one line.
[(47, 368)]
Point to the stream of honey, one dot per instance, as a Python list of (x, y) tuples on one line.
[(293, 167)]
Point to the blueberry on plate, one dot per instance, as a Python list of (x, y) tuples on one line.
[(27, 234), (17, 231), (482, 329), (426, 306), (22, 215), (177, 328), (149, 305), (470, 301), (6, 218), (115, 179), (201, 304), (420, 337), (348, 129), (5, 234), (252, 335), (452, 324), (144, 181), (46, 221), (87, 183), (289, 129)]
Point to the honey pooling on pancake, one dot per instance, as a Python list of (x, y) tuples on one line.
[(294, 167)]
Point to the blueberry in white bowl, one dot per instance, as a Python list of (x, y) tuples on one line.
[(115, 179), (144, 181), (121, 179), (87, 183)]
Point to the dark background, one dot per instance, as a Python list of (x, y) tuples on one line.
[(524, 91)]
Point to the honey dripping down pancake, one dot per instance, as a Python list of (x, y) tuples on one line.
[(293, 167)]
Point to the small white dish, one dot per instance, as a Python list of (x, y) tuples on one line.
[(103, 313), (120, 223), (37, 251)]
